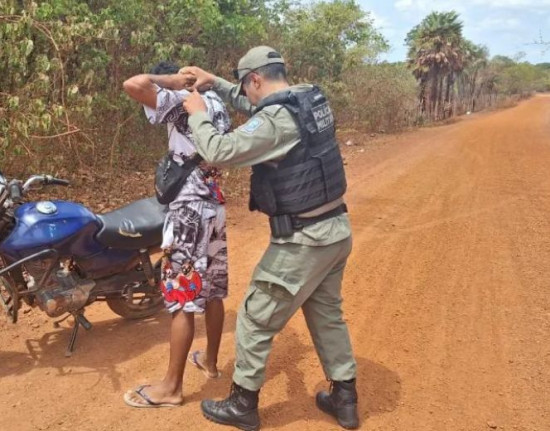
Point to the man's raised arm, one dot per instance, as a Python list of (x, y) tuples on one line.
[(143, 88)]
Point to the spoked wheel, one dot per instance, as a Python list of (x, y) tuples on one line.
[(137, 301), (9, 298)]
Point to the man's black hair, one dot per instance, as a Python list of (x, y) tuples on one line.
[(272, 72), (165, 68)]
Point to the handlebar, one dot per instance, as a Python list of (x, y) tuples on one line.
[(44, 179), (14, 191), (58, 182)]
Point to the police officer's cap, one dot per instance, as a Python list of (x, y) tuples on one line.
[(255, 58)]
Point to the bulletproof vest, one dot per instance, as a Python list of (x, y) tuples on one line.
[(312, 173)]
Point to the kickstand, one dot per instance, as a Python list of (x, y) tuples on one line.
[(79, 319)]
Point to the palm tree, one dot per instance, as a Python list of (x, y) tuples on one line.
[(477, 61), (471, 79), (435, 55)]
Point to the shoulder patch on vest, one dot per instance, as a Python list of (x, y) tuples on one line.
[(252, 125)]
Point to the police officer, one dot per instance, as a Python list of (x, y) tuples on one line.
[(298, 181)]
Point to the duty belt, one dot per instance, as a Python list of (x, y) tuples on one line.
[(299, 223), (285, 225)]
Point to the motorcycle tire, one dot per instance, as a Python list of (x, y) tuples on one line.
[(132, 311), (123, 308)]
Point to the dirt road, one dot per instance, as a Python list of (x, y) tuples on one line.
[(447, 297)]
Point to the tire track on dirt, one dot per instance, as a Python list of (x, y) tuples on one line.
[(447, 290)]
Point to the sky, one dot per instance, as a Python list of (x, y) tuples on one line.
[(506, 27)]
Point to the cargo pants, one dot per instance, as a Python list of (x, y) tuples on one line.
[(288, 277)]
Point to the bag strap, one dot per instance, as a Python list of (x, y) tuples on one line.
[(195, 158)]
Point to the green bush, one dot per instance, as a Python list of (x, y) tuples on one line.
[(64, 61)]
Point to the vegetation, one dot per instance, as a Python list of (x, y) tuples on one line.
[(455, 75), (64, 61)]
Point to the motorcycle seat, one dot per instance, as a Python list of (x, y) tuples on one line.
[(134, 226)]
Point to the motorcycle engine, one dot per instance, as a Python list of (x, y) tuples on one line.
[(64, 291)]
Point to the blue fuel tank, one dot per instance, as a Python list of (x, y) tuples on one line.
[(48, 224)]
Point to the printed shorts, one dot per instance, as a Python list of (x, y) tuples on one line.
[(194, 269)]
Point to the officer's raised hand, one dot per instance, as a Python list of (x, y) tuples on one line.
[(204, 80), (194, 103)]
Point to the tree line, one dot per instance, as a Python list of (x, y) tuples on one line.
[(64, 61), (456, 75)]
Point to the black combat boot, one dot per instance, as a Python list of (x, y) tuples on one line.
[(240, 409), (341, 403)]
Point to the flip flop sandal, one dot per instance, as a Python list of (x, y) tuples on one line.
[(193, 358), (148, 403)]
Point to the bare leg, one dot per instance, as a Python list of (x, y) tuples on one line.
[(181, 337), (215, 314)]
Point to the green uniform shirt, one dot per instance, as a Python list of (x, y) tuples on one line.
[(267, 136)]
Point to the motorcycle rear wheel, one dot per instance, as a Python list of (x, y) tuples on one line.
[(134, 304)]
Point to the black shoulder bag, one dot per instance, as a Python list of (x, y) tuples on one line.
[(170, 176)]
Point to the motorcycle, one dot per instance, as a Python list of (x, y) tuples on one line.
[(61, 257)]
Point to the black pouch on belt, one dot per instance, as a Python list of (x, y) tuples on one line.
[(286, 224), (281, 226)]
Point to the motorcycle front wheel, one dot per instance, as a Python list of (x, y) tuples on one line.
[(137, 301)]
